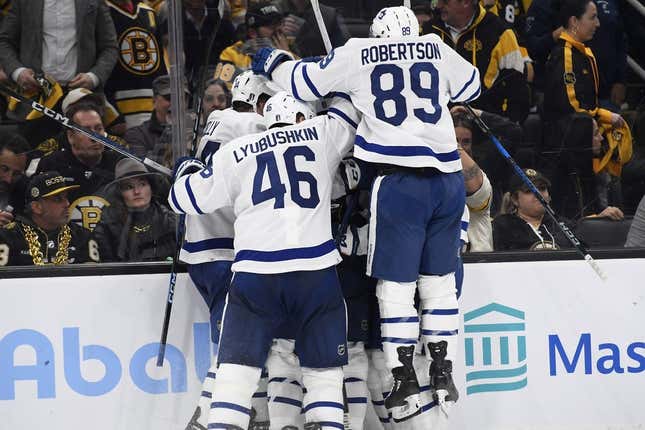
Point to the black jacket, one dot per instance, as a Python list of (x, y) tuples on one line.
[(492, 47), (137, 236), (510, 233), (15, 249)]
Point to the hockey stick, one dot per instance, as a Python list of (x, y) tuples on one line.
[(202, 78), (62, 119), (582, 250), (327, 42), (315, 5)]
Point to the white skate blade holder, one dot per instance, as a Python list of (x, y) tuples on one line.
[(412, 408)]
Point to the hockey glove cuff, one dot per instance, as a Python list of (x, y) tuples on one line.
[(186, 166), (267, 59)]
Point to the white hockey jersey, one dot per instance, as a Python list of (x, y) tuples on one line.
[(402, 87), (279, 185), (209, 237)]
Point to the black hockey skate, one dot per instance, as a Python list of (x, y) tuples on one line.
[(404, 400), (193, 424), (442, 386), (257, 425)]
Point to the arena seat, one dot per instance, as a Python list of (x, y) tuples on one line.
[(598, 232)]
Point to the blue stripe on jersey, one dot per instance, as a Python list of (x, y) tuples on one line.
[(310, 84), (204, 245), (342, 115), (475, 94), (323, 405), (286, 254), (341, 95), (259, 394), (470, 81), (405, 151), (232, 406), (175, 202), (440, 312), (294, 90), (191, 196)]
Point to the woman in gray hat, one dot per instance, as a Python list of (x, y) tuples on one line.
[(136, 226)]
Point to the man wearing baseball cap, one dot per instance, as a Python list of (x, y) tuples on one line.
[(263, 22), (44, 234)]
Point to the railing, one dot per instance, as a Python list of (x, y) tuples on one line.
[(109, 269)]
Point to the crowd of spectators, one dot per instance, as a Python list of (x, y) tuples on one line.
[(556, 91)]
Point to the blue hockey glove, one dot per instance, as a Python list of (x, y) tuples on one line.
[(267, 59), (186, 166)]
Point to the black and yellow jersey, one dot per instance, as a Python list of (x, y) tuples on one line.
[(5, 5), (571, 81), (140, 61), (491, 46)]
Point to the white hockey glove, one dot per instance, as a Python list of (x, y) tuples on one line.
[(186, 166), (350, 172)]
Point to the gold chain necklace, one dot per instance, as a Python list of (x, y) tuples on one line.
[(64, 237)]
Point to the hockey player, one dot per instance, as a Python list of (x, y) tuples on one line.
[(279, 184), (402, 83), (208, 245)]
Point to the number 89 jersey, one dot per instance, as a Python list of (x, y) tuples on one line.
[(279, 185), (402, 86)]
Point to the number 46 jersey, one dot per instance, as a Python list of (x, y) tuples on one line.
[(279, 185), (402, 86)]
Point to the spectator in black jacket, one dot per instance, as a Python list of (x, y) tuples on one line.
[(525, 226), (87, 162), (136, 226), (44, 234), (543, 30)]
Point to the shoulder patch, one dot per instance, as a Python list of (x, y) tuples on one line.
[(569, 78)]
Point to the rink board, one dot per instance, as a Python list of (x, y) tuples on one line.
[(544, 345)]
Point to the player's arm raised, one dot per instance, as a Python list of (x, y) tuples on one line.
[(305, 79), (464, 82)]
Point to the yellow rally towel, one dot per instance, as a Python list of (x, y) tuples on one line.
[(50, 94), (619, 149)]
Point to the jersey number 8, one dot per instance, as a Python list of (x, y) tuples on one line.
[(400, 106), (267, 163)]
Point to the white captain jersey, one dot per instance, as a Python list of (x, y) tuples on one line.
[(402, 86), (279, 185), (209, 237)]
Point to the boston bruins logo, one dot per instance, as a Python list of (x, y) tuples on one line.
[(139, 51), (86, 211), (468, 45)]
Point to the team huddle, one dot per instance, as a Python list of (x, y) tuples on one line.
[(356, 153)]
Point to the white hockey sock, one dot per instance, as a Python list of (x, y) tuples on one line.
[(260, 401), (284, 386), (399, 318), (356, 384), (231, 402), (205, 397), (439, 311), (376, 385), (323, 402)]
